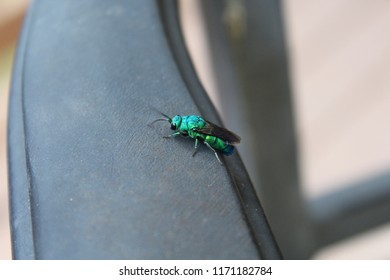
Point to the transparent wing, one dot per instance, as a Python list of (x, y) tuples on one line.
[(223, 133)]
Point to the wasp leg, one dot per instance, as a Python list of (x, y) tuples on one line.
[(172, 135), (196, 146), (215, 152)]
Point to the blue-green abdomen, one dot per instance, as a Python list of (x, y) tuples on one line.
[(219, 144)]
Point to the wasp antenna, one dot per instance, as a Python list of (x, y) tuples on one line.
[(168, 120), (161, 113)]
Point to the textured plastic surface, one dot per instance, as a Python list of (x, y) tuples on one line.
[(89, 178)]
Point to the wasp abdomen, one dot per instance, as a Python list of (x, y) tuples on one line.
[(219, 144)]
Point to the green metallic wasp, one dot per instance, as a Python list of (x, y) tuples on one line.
[(213, 136)]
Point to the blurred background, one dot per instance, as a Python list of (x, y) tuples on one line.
[(339, 54), (11, 18)]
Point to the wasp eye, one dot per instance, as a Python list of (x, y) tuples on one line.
[(173, 126)]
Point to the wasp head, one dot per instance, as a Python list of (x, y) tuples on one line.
[(175, 122)]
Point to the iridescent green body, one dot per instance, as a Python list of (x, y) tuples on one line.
[(196, 127), (192, 125)]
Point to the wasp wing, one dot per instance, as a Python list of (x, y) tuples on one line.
[(223, 133)]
